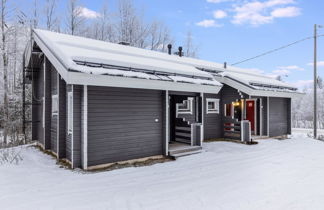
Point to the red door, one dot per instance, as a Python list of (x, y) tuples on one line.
[(250, 113)]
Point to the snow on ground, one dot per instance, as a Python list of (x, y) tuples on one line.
[(273, 174)]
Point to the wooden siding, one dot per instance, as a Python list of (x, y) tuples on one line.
[(77, 89), (229, 95), (212, 121), (37, 107), (54, 118), (62, 119), (265, 115), (278, 116), (48, 104), (121, 124)]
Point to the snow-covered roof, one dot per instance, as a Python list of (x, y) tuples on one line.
[(97, 58)]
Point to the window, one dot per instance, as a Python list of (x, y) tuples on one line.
[(185, 107), (54, 105), (70, 112), (212, 105)]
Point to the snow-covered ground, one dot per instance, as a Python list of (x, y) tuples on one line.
[(273, 174)]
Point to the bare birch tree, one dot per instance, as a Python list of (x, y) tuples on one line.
[(189, 47), (159, 36), (5, 68), (75, 20), (49, 10)]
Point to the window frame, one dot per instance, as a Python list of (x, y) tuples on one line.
[(55, 98), (70, 111), (216, 103)]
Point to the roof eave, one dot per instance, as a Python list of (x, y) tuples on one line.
[(113, 81), (256, 92), (78, 78)]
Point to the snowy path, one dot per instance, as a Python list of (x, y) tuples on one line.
[(274, 174)]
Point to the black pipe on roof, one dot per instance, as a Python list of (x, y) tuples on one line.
[(169, 49)]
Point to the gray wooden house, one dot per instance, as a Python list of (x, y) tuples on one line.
[(96, 103)]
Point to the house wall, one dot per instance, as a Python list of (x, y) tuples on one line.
[(37, 106), (265, 115), (213, 127), (229, 95), (279, 116), (76, 141), (62, 118), (48, 103), (122, 124), (54, 118)]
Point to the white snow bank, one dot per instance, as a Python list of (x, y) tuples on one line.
[(274, 174)]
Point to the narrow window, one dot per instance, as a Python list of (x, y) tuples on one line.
[(212, 105), (54, 105), (70, 111)]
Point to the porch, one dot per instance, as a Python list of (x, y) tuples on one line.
[(244, 119), (184, 123)]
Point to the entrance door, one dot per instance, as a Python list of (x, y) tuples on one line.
[(250, 113)]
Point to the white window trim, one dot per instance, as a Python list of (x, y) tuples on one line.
[(187, 110), (70, 112), (55, 97), (212, 111)]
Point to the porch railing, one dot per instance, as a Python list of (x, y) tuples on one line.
[(237, 130)]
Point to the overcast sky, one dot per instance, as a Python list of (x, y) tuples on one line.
[(232, 30)]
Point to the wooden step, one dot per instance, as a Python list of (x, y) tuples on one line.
[(175, 156), (183, 134), (184, 150), (183, 128)]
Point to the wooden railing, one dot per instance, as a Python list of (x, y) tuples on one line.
[(238, 130), (232, 128)]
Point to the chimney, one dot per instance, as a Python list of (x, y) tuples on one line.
[(225, 65), (180, 51), (169, 48)]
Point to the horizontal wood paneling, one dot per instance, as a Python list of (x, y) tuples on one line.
[(212, 121), (278, 116), (121, 124)]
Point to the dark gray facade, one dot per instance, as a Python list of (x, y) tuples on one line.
[(116, 124), (213, 124), (61, 118), (54, 116), (47, 103), (279, 116), (37, 107), (76, 141), (123, 124)]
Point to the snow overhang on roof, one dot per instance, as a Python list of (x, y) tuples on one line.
[(255, 84), (91, 62)]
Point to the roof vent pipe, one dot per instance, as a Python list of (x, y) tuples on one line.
[(169, 48), (225, 65), (180, 51), (124, 43)]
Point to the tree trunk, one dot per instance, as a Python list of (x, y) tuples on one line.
[(5, 71)]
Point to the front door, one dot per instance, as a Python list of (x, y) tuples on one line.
[(250, 113)]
